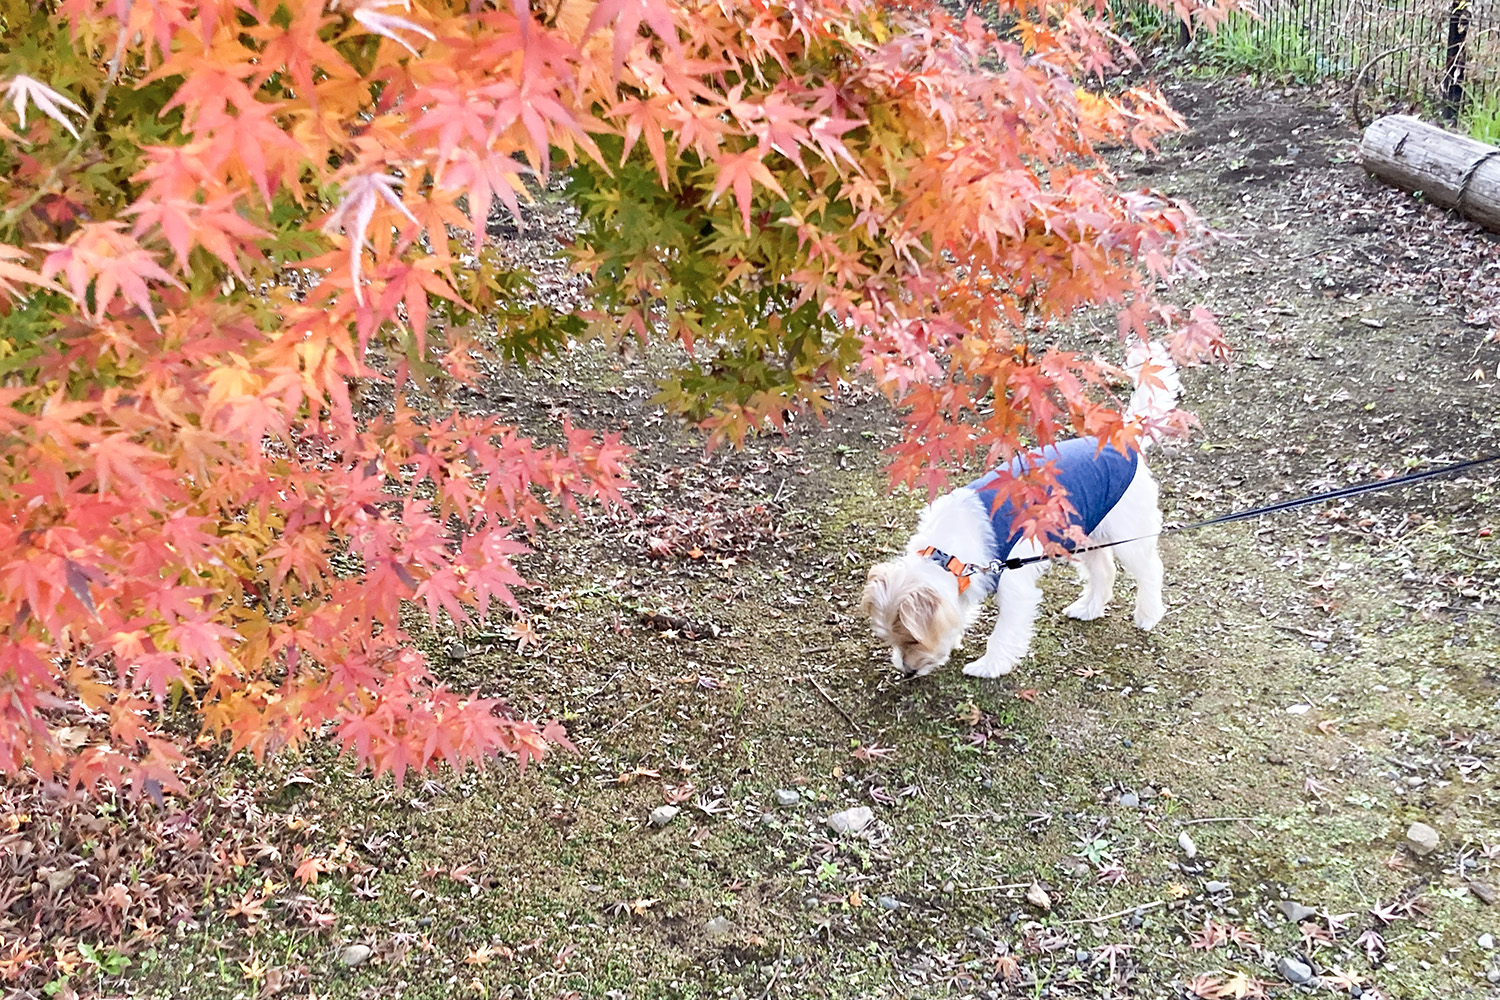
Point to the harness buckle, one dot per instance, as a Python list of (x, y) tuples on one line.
[(962, 572)]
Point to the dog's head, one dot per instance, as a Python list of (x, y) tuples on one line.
[(913, 607)]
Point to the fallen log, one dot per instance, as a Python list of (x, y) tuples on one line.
[(1447, 169)]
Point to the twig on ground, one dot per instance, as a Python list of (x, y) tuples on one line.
[(637, 711), (1119, 913), (1220, 819), (775, 973), (957, 818), (600, 689), (829, 698), (1320, 636), (1470, 611), (996, 888)]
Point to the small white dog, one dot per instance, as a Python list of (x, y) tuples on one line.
[(920, 603)]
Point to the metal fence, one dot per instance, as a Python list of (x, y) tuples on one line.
[(1442, 56)]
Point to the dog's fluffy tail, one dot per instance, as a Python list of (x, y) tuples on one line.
[(1157, 385)]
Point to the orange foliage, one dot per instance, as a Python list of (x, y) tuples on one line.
[(230, 211)]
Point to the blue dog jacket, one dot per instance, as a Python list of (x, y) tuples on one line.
[(1095, 479)]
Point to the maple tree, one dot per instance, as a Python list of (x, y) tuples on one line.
[(226, 216)]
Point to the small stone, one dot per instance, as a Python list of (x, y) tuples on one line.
[(786, 797), (718, 927), (356, 954), (851, 820), (1186, 843), (889, 903), (1083, 957), (1214, 888), (1295, 911), (1493, 973), (1421, 839), (1037, 896), (1487, 941), (1293, 971), (1130, 800), (457, 651), (662, 815)]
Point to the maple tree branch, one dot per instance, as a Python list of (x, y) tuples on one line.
[(85, 135)]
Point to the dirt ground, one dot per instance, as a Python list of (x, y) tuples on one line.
[(1128, 815)]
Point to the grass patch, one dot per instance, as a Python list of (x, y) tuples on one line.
[(1482, 117), (1269, 50), (1143, 23)]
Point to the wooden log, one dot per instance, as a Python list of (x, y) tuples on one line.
[(1481, 200), (1450, 170)]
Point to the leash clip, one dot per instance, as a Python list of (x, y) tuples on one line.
[(965, 572)]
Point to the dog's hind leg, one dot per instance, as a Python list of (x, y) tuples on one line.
[(1142, 561), (1138, 517), (1018, 598), (1097, 569)]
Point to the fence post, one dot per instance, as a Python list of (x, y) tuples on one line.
[(1454, 65)]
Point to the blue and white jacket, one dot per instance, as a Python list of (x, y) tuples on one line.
[(1094, 479)]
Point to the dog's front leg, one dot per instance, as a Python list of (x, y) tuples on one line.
[(1018, 598)]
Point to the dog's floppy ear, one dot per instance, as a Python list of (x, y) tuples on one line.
[(876, 585), (925, 614)]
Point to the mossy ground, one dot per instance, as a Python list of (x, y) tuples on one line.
[(1322, 680)]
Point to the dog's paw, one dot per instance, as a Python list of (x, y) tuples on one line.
[(988, 666), (1146, 618), (1083, 610)]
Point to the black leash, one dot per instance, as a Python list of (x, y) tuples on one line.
[(1375, 486)]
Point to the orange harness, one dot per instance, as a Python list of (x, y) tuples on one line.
[(961, 571)]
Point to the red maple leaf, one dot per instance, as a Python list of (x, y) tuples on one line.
[(627, 17), (100, 255), (740, 171)]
